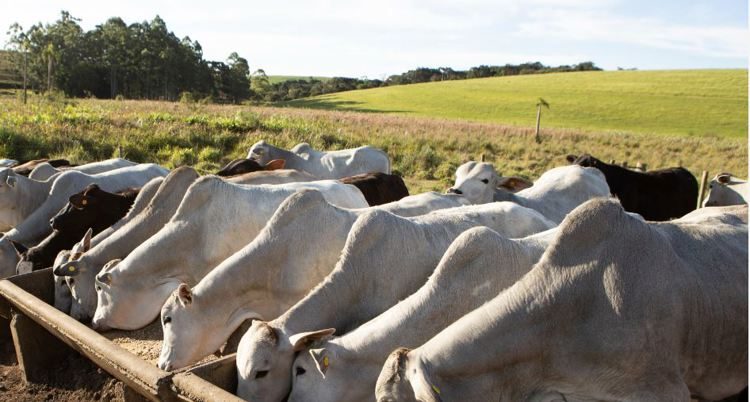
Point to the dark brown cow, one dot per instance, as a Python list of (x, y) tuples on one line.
[(657, 195), (25, 168), (92, 208), (378, 188), (242, 166)]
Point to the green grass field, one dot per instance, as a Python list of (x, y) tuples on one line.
[(273, 79), (426, 151), (677, 102)]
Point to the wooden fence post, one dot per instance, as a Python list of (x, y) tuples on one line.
[(702, 188)]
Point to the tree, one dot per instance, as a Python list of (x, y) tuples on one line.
[(19, 42), (541, 103)]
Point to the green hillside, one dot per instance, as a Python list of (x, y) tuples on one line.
[(675, 102)]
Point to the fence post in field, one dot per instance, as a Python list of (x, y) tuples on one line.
[(702, 188), (541, 103), (612, 162), (625, 164)]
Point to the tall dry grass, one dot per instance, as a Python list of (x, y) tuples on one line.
[(425, 150)]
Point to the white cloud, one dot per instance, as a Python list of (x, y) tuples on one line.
[(590, 27), (353, 38)]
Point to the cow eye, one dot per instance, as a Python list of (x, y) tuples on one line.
[(301, 370), (167, 320), (485, 181), (261, 374)]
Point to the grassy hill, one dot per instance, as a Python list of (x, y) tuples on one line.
[(675, 102), (273, 79)]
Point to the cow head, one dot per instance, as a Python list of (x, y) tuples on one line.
[(126, 301), (476, 181), (393, 382), (584, 160), (191, 330), (724, 189), (63, 296), (261, 152), (73, 215), (264, 360), (325, 372)]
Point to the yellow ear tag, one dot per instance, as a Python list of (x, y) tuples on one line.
[(436, 389), (84, 202), (325, 362), (71, 268)]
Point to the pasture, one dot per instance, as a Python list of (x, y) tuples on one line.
[(426, 151), (692, 103)]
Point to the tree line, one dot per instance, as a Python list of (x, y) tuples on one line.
[(142, 60), (145, 60), (295, 89)]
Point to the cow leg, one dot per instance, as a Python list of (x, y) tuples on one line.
[(38, 352)]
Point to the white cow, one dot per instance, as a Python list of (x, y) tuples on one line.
[(36, 226), (44, 170), (287, 258), (20, 197), (385, 259), (214, 220), (82, 271), (556, 192), (63, 295), (726, 189), (617, 309), (476, 267), (325, 165)]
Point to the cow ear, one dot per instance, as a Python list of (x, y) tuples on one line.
[(571, 158), (724, 178), (304, 339), (86, 241), (11, 181), (78, 201), (514, 184), (184, 294), (322, 360), (275, 164), (105, 278)]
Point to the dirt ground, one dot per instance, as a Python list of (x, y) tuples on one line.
[(74, 380)]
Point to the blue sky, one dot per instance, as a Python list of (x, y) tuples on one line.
[(378, 38)]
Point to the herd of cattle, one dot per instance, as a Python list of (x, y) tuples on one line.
[(349, 288)]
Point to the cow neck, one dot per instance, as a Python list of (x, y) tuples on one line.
[(434, 306), (350, 294)]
